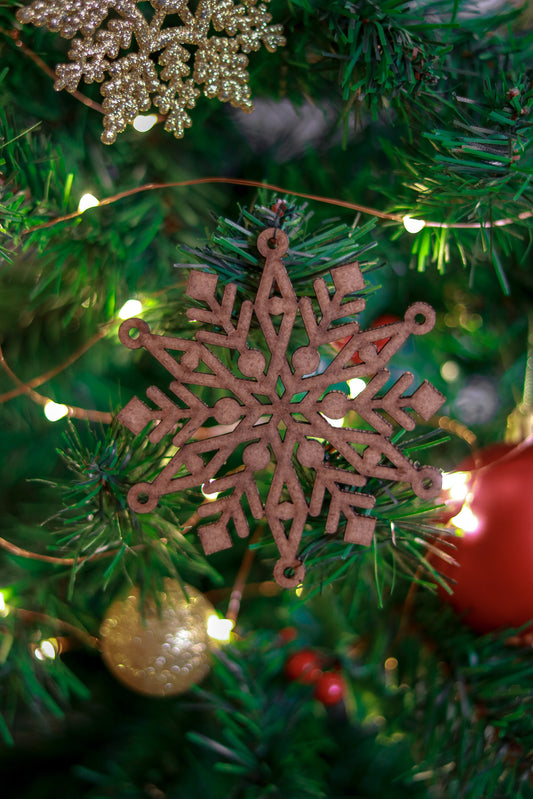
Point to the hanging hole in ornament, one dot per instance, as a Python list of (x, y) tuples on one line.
[(272, 239), (421, 317), (141, 498), (428, 483), (289, 574), (132, 332)]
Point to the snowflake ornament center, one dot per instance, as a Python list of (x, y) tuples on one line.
[(278, 410)]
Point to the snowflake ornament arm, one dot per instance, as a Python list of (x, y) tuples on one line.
[(276, 408), (158, 69)]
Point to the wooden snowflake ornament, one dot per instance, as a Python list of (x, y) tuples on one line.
[(277, 408), (146, 57)]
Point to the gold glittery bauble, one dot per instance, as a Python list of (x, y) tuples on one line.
[(141, 58), (163, 650)]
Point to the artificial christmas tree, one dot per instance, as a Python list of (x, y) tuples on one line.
[(389, 135)]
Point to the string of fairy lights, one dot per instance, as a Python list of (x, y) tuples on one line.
[(219, 629), (456, 485), (54, 411)]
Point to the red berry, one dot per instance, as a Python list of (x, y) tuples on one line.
[(330, 688), (303, 666), (288, 634)]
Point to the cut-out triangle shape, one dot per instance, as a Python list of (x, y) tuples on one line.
[(282, 429), (262, 398), (276, 290), (203, 368), (300, 417)]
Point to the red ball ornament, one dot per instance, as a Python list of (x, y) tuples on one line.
[(330, 688), (494, 579), (381, 321), (303, 666)]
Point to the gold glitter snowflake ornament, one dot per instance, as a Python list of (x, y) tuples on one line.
[(148, 61)]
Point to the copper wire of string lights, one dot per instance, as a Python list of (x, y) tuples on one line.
[(72, 411), (411, 224), (363, 209)]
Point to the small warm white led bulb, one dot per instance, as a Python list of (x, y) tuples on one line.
[(219, 629), (413, 225), (450, 371), (87, 201), (3, 607), (48, 649), (466, 521), (356, 386), (130, 308), (333, 422), (457, 485), (210, 495), (144, 122), (45, 650), (55, 411)]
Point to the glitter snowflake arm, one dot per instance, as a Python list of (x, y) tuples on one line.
[(67, 17), (177, 93), (146, 62)]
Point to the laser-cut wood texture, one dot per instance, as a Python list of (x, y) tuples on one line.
[(278, 406)]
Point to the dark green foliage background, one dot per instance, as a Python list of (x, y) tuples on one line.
[(422, 109)]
